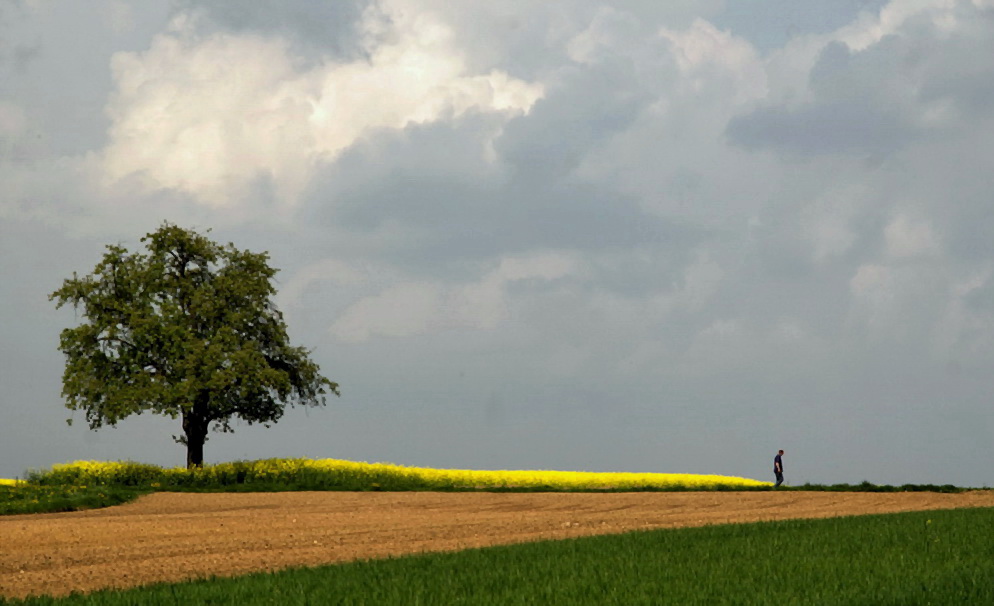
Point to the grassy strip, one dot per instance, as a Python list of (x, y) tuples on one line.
[(939, 557), (32, 498), (868, 487)]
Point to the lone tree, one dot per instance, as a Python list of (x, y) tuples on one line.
[(187, 329)]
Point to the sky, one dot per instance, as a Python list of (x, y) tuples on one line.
[(583, 235)]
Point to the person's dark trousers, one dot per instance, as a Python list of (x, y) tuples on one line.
[(779, 478)]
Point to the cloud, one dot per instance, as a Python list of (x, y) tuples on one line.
[(400, 311), (964, 335), (907, 238), (120, 16), (12, 121), (713, 58), (315, 29), (640, 220), (881, 84), (410, 308), (897, 304), (828, 222), (773, 24), (214, 116), (328, 270), (14, 49)]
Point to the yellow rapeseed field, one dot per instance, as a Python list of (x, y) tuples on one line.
[(387, 476), (531, 479)]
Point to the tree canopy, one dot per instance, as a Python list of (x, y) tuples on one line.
[(187, 329)]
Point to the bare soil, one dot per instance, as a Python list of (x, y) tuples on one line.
[(178, 536)]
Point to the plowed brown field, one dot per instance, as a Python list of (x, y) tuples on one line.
[(173, 537)]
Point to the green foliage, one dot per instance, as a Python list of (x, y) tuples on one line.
[(32, 498), (186, 329), (939, 557)]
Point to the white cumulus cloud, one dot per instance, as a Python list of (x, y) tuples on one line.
[(214, 115)]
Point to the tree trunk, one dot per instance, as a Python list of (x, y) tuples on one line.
[(195, 449), (195, 423)]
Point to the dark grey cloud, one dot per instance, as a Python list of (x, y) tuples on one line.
[(17, 53), (455, 203), (852, 111), (58, 71), (982, 299), (771, 24), (824, 129), (450, 219), (589, 105), (909, 86), (315, 29), (952, 66)]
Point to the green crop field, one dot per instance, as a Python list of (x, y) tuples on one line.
[(938, 557), (24, 497)]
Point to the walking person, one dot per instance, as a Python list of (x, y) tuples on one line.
[(778, 468)]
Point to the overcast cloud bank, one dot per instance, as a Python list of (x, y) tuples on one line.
[(597, 236)]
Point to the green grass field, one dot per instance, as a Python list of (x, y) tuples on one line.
[(24, 497), (939, 557)]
